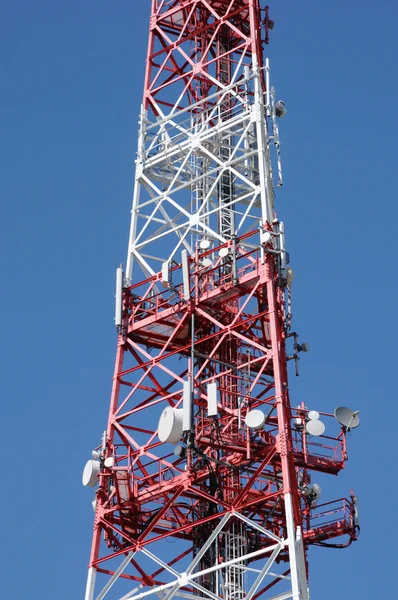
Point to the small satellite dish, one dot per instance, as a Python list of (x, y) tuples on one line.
[(95, 454), (304, 347), (315, 427), (223, 252), (255, 419), (347, 417), (206, 262), (316, 490), (280, 109), (170, 425), (178, 450), (109, 462), (90, 473), (315, 494), (265, 237), (313, 415), (204, 244)]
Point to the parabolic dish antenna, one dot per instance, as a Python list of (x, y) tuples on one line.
[(317, 490), (315, 427), (265, 237), (170, 425), (255, 419), (313, 415), (223, 252), (109, 462), (90, 473), (348, 418)]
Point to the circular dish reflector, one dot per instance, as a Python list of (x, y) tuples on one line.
[(204, 244), (315, 427), (206, 262), (90, 473), (109, 462), (178, 450), (255, 419), (170, 425), (265, 237), (223, 252), (347, 417), (317, 490), (313, 415)]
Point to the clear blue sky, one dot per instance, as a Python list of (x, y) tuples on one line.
[(71, 79)]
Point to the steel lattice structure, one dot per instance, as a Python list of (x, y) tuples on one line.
[(203, 318)]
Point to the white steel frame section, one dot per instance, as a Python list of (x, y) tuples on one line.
[(295, 582), (165, 216)]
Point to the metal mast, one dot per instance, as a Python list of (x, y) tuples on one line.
[(204, 471)]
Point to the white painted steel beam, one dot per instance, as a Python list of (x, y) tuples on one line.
[(185, 156)]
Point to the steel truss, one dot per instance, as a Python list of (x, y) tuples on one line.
[(196, 138), (205, 301)]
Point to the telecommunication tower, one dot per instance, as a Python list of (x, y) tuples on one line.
[(206, 474)]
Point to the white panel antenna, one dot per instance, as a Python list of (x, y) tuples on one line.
[(165, 274), (119, 297), (185, 275), (187, 407), (212, 399)]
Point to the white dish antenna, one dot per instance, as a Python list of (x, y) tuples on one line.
[(255, 419), (109, 462), (206, 262), (90, 473), (313, 415), (178, 450), (170, 425), (223, 252), (204, 244), (265, 237), (165, 274), (347, 417), (315, 427), (316, 490)]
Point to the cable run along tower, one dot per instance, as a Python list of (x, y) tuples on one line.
[(205, 477)]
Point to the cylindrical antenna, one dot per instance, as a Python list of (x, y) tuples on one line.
[(119, 298)]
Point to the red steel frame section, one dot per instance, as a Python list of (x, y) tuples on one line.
[(160, 477)]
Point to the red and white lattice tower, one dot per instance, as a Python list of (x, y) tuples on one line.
[(203, 474)]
